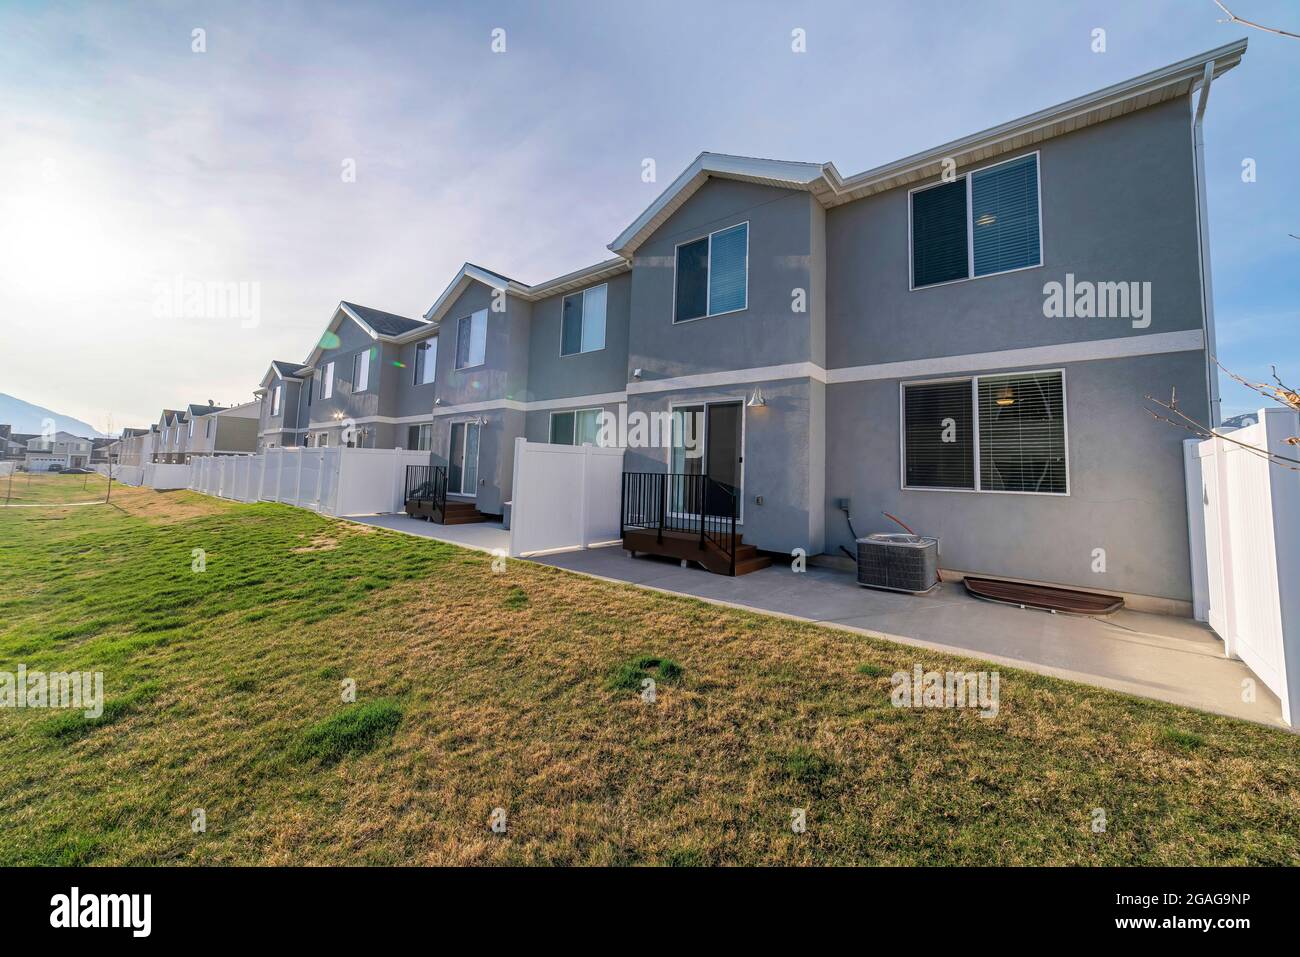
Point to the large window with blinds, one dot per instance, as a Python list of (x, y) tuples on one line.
[(996, 433), (982, 223), (712, 274)]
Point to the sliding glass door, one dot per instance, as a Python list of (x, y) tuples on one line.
[(708, 439), (462, 459)]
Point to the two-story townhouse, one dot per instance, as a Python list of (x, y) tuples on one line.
[(282, 391), (541, 362), (368, 380), (215, 430), (963, 338)]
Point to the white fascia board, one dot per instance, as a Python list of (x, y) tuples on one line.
[(468, 273), (830, 188), (1188, 70), (794, 175)]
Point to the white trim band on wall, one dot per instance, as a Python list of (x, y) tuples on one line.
[(1122, 347)]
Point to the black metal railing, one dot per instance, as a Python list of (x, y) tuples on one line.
[(427, 483), (674, 502)]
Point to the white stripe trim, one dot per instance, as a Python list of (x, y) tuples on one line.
[(368, 420), (537, 405), (1122, 347), (705, 380)]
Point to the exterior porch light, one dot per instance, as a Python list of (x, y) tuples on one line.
[(757, 400)]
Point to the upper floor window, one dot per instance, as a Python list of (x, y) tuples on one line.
[(275, 399), (471, 340), (982, 223), (426, 361), (361, 371), (191, 428), (582, 325), (327, 381), (712, 274), (207, 429), (996, 433)]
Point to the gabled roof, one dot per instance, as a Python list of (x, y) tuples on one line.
[(470, 273), (384, 323), (196, 410), (285, 370), (826, 184), (376, 323)]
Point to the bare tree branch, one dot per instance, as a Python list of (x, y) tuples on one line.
[(1283, 394), (1188, 424), (1233, 18)]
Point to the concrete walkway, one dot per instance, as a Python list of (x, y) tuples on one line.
[(1155, 656)]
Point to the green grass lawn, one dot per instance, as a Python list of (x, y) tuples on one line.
[(519, 690), (38, 488)]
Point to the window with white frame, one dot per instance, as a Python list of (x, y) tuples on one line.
[(191, 428), (275, 399), (426, 361), (471, 340), (361, 371), (712, 274), (582, 321), (994, 433), (327, 381), (580, 427), (982, 223), (419, 438), (207, 428), (323, 440)]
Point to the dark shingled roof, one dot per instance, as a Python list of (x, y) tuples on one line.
[(384, 323), (287, 370), (196, 409)]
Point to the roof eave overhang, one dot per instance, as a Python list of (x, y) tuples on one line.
[(1158, 86), (831, 189)]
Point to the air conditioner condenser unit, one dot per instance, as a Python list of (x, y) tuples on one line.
[(898, 562)]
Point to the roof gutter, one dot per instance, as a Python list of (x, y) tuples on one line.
[(1203, 235)]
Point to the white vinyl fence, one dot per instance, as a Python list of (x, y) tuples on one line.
[(126, 474), (565, 496), (165, 475), (336, 481), (1244, 522)]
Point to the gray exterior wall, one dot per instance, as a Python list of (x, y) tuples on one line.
[(765, 333), (412, 399), (1125, 484), (553, 376), (1118, 203)]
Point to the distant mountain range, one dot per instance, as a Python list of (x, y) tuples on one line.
[(25, 417)]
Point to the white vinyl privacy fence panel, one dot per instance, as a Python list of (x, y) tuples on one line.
[(564, 496), (336, 481), (1244, 520)]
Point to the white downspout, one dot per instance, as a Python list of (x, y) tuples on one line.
[(1202, 231)]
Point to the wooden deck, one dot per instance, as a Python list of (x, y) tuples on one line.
[(686, 546)]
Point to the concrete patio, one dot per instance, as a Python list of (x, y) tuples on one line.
[(1155, 656)]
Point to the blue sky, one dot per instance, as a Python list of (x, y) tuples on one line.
[(130, 160)]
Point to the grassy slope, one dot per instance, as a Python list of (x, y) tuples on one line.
[(477, 690), (41, 488)]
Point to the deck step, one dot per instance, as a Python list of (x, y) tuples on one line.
[(686, 546), (752, 564)]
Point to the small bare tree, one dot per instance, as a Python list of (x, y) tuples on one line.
[(1277, 391)]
